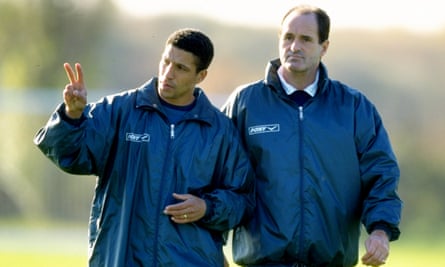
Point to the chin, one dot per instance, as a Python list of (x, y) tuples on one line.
[(294, 68)]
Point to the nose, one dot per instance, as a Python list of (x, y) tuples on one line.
[(295, 45), (167, 71)]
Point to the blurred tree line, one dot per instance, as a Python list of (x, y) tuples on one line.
[(401, 72)]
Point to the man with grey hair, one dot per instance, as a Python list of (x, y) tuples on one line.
[(322, 158)]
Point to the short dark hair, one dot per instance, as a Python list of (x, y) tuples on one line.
[(195, 42), (323, 20)]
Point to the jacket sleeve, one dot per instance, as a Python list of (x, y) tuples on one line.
[(379, 173), (234, 200), (75, 146), (230, 107)]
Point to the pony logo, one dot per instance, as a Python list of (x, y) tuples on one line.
[(137, 138), (262, 129)]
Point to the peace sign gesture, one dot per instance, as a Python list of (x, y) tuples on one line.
[(75, 93)]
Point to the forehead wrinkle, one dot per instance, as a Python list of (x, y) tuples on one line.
[(179, 57), (300, 24)]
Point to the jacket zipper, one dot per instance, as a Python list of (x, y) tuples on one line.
[(301, 118), (161, 189), (172, 131), (300, 113)]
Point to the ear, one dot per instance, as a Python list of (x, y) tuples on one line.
[(324, 47), (201, 76)]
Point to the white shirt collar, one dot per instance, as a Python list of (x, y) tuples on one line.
[(311, 89)]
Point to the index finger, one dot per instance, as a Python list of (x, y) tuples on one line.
[(175, 207), (69, 72), (79, 73)]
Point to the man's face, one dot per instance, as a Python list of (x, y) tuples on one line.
[(300, 51), (178, 76)]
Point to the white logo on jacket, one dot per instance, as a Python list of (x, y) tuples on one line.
[(261, 129), (138, 138)]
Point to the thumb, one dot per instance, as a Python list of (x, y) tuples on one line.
[(181, 196)]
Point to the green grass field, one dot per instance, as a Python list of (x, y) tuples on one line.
[(25, 259), (408, 256), (58, 247)]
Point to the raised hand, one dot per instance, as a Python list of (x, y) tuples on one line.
[(75, 93)]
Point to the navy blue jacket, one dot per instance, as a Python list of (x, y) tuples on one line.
[(320, 169), (140, 160)]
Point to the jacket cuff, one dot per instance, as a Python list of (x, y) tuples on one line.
[(209, 210), (64, 117), (393, 233)]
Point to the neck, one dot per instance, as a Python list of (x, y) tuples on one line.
[(299, 80)]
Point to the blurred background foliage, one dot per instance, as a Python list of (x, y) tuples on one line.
[(402, 72)]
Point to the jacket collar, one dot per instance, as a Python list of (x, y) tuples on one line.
[(147, 98), (273, 80)]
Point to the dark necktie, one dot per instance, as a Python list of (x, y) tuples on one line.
[(300, 97)]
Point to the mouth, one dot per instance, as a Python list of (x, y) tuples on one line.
[(165, 85), (295, 57)]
